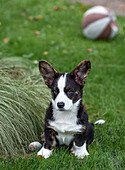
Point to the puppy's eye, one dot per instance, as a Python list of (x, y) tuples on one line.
[(55, 90), (68, 90)]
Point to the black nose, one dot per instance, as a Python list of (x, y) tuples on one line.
[(60, 105)]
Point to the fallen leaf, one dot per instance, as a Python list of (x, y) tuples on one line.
[(82, 6), (6, 40), (56, 8), (45, 53), (72, 7), (24, 12), (40, 17), (39, 156), (35, 19), (30, 17), (64, 51), (96, 115), (115, 60), (86, 106), (118, 111), (89, 49), (37, 32), (64, 7)]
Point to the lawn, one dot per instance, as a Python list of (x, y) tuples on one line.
[(37, 29)]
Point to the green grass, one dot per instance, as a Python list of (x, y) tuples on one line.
[(104, 92)]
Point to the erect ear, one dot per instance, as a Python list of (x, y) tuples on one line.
[(47, 71), (81, 71)]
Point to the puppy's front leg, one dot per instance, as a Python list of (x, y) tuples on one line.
[(50, 143), (79, 147)]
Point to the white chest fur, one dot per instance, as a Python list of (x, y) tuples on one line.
[(65, 123), (64, 138)]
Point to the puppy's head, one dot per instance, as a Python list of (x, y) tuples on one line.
[(66, 88)]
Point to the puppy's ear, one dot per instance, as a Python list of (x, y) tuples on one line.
[(47, 71), (81, 71)]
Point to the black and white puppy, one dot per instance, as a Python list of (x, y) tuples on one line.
[(66, 120)]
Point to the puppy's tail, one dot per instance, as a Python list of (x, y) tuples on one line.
[(98, 122)]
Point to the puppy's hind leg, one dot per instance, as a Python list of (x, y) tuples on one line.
[(34, 146), (50, 143)]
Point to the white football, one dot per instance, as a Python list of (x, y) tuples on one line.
[(34, 146), (99, 23)]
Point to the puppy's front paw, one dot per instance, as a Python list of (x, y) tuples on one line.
[(80, 152), (44, 153), (81, 155)]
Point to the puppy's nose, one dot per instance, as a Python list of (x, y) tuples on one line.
[(60, 105)]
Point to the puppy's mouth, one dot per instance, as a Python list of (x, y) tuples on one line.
[(61, 109)]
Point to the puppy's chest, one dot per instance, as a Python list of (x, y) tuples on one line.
[(65, 124)]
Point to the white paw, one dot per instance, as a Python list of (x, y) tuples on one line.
[(80, 152), (44, 153), (34, 146)]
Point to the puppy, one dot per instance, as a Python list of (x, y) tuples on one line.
[(66, 119)]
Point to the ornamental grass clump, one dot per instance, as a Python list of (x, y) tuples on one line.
[(23, 101)]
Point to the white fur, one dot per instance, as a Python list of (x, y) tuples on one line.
[(62, 96), (81, 151), (99, 122), (64, 138), (65, 123), (44, 152)]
